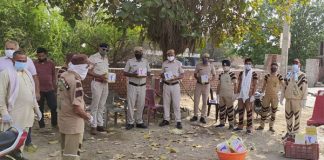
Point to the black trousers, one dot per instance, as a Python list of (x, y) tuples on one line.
[(50, 98)]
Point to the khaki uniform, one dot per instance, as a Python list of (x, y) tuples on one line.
[(99, 89), (71, 125), (171, 90), (247, 105), (272, 85), (202, 89), (136, 90), (225, 89), (295, 92)]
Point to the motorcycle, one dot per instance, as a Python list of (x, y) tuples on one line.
[(11, 140), (257, 105)]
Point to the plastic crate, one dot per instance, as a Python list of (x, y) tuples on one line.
[(301, 151)]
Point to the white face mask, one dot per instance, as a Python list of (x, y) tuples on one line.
[(226, 68), (9, 53), (295, 68), (170, 58), (81, 69), (248, 67)]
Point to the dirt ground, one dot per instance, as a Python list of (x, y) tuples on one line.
[(195, 141)]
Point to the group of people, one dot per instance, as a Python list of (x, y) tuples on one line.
[(26, 84)]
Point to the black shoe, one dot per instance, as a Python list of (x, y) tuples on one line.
[(249, 132), (101, 129), (237, 129), (230, 127), (202, 120), (141, 125), (17, 155), (272, 130), (179, 125), (164, 123), (220, 126), (259, 128), (194, 118), (129, 126)]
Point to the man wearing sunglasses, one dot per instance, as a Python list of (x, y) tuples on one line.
[(99, 87)]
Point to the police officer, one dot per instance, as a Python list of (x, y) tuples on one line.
[(226, 89), (272, 83), (248, 80), (295, 91), (71, 111), (99, 87), (136, 69), (204, 72), (172, 72)]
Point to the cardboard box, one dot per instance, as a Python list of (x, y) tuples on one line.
[(204, 78), (111, 77), (223, 147), (142, 72), (168, 75), (236, 144)]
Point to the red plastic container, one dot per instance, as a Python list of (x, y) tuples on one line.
[(301, 151), (231, 156)]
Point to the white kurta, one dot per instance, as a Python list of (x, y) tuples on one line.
[(22, 113)]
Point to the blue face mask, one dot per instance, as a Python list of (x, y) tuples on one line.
[(20, 65)]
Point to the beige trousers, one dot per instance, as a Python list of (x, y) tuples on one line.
[(293, 111), (201, 90), (71, 146), (171, 93), (267, 102), (226, 109), (98, 103), (135, 98)]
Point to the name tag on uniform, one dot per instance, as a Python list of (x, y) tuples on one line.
[(204, 78), (111, 77), (168, 75), (142, 72)]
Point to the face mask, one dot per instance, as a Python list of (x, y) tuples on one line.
[(20, 66), (273, 70), (170, 58), (103, 53), (248, 67), (295, 68), (138, 56), (226, 68), (205, 61), (42, 60), (9, 53), (81, 69)]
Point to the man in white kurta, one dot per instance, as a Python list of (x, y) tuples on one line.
[(17, 96)]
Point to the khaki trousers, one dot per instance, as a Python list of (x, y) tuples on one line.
[(71, 146), (98, 104), (226, 109), (267, 102), (293, 109), (242, 107), (201, 90), (171, 93), (135, 98)]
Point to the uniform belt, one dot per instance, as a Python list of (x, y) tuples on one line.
[(98, 80), (170, 84), (137, 85), (202, 83)]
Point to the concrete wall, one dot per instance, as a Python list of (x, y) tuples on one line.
[(312, 71)]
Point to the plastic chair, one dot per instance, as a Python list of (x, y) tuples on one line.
[(150, 105), (212, 101), (115, 105)]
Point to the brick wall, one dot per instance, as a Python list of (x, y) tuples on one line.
[(189, 81)]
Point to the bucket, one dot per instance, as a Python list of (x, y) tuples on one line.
[(231, 156)]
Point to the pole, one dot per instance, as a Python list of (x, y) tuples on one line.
[(284, 48)]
